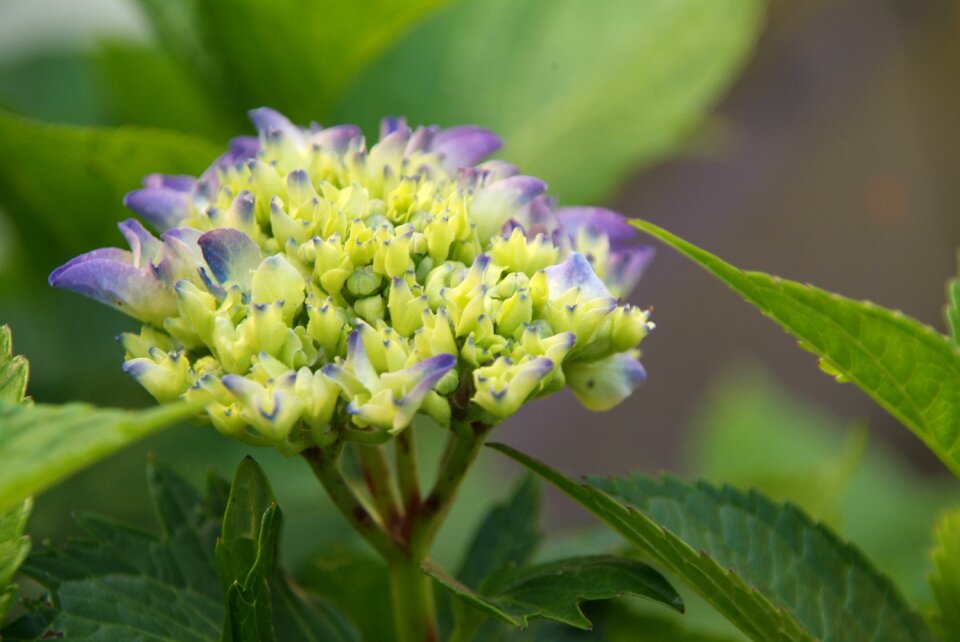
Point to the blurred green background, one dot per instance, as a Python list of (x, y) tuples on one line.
[(817, 140)]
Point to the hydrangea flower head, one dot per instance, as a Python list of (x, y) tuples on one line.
[(307, 282)]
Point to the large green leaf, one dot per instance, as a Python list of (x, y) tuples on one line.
[(124, 583), (766, 567), (64, 184), (14, 370), (910, 369), (953, 306), (945, 579), (582, 93), (14, 546), (298, 56), (554, 590), (41, 445)]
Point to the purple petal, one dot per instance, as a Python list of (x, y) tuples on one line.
[(427, 373), (422, 139), (391, 124), (625, 267), (575, 272), (598, 220), (465, 146), (142, 243), (336, 139), (119, 285), (496, 204), (231, 255), (114, 254), (179, 183), (162, 207), (270, 122)]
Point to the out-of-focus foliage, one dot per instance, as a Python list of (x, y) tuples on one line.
[(581, 97), (945, 579), (908, 368), (803, 583)]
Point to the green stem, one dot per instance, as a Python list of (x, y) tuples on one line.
[(464, 446), (324, 461), (408, 476), (414, 608), (383, 489)]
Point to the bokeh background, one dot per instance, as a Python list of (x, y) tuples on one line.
[(830, 156)]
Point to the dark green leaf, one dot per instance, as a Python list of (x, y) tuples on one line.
[(14, 370), (298, 56), (945, 579), (953, 306), (766, 567), (14, 546), (908, 368), (507, 537), (365, 598), (126, 584), (582, 94), (554, 590), (91, 168), (41, 445), (245, 523)]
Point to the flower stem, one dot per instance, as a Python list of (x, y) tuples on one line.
[(463, 448), (324, 462), (414, 608), (380, 481), (408, 475)]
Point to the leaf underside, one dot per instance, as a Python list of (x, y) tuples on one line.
[(765, 566), (41, 445), (554, 590), (910, 369)]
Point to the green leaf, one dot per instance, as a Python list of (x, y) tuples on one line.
[(245, 554), (41, 445), (65, 185), (579, 109), (554, 590), (953, 306), (127, 584), (14, 370), (262, 605), (14, 546), (752, 432), (298, 56), (507, 536), (766, 567), (907, 367), (945, 580)]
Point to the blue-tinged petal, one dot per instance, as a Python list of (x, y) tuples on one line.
[(601, 385), (613, 225), (465, 146), (162, 207), (270, 122), (391, 124), (390, 149), (144, 246), (119, 285), (179, 182), (231, 255), (114, 254), (625, 267), (575, 272), (336, 139), (180, 256), (359, 362), (426, 373), (498, 203)]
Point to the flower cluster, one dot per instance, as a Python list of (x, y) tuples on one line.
[(306, 281)]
